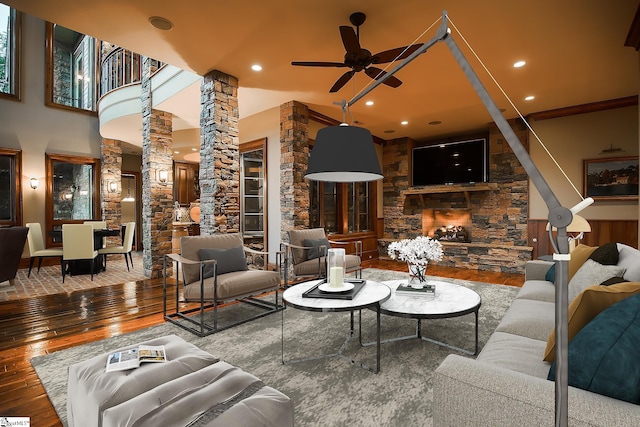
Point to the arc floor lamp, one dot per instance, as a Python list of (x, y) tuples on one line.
[(324, 165)]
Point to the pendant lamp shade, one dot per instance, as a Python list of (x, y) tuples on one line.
[(344, 154)]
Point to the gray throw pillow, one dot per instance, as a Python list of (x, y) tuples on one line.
[(591, 273), (316, 250), (228, 260)]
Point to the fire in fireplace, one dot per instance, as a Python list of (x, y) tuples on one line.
[(452, 225)]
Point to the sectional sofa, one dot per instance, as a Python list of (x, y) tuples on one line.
[(509, 383)]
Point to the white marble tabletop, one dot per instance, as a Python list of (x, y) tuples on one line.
[(450, 300), (370, 294)]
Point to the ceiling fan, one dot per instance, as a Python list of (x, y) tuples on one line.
[(358, 58)]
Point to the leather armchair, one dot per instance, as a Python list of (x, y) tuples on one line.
[(11, 246)]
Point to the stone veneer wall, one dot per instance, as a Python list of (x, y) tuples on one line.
[(294, 157), (111, 170), (499, 216), (157, 197), (219, 155)]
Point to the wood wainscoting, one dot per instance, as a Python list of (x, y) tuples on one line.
[(602, 231)]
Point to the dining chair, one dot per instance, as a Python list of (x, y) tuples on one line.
[(36, 246), (125, 248), (77, 244), (99, 225)]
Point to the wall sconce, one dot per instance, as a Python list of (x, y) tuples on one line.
[(112, 187), (34, 183), (163, 176)]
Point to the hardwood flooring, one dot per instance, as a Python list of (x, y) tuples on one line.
[(40, 325)]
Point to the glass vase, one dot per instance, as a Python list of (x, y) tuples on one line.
[(417, 275)]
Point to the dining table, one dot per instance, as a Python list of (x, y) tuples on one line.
[(84, 266)]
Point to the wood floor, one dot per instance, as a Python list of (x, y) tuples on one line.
[(41, 325)]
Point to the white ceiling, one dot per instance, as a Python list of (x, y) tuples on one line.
[(574, 50)]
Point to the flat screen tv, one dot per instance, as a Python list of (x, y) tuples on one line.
[(461, 162)]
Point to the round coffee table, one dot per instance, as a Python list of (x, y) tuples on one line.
[(450, 300), (370, 296)]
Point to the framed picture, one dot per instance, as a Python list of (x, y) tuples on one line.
[(613, 178)]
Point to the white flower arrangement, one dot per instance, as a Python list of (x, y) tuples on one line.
[(419, 251)]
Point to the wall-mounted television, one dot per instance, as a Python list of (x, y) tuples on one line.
[(461, 162)]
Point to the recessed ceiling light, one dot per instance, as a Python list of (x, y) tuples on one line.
[(369, 103), (404, 123), (435, 122), (519, 64), (256, 67), (176, 152), (161, 23), (530, 98), (194, 149)]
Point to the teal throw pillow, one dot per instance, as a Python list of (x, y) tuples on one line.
[(228, 260), (603, 356), (316, 249), (551, 274)]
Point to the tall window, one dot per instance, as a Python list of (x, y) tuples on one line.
[(10, 20), (72, 71), (10, 200), (342, 208), (73, 190)]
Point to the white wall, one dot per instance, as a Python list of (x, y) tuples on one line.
[(36, 129), (572, 139), (267, 125)]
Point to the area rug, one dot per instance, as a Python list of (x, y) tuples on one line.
[(326, 392)]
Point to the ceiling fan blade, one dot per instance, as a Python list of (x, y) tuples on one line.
[(318, 64), (349, 39), (342, 81), (391, 54), (377, 73)]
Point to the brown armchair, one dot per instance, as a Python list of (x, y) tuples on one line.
[(304, 254), (11, 246)]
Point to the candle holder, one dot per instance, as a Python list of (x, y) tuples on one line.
[(336, 264)]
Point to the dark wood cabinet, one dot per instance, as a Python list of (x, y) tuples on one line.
[(186, 187)]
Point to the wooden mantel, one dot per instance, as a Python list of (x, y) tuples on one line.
[(454, 188)]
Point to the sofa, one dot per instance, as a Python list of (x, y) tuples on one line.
[(509, 383)]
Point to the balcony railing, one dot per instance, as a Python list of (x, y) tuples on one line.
[(121, 67)]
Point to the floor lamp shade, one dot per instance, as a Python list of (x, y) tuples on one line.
[(344, 154)]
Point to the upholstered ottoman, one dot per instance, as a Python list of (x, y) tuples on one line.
[(192, 386)]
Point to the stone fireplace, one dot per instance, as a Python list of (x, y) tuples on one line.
[(451, 225)]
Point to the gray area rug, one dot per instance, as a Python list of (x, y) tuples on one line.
[(326, 392)]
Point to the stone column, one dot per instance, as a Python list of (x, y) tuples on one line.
[(157, 196), (219, 155), (294, 159), (110, 172)]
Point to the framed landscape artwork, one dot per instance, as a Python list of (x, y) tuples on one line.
[(613, 178)]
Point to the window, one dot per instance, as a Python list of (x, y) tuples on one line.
[(72, 70), (10, 21), (342, 208), (10, 200), (73, 190), (253, 193)]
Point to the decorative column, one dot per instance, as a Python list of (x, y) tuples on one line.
[(157, 196), (219, 155), (110, 171), (294, 158)]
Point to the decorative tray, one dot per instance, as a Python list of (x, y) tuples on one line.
[(315, 292)]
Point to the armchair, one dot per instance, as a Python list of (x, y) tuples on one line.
[(11, 246), (304, 254), (214, 271)]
